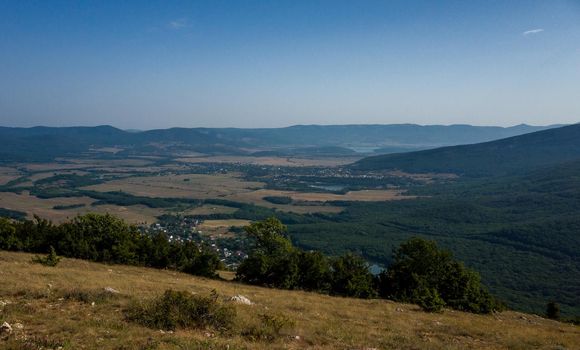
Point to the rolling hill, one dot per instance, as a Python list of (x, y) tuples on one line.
[(512, 155), (48, 143)]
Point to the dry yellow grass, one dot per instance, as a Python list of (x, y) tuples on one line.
[(8, 174), (221, 228), (32, 205), (181, 186), (321, 322), (364, 195), (208, 209), (224, 223)]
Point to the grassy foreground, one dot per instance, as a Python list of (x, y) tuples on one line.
[(51, 305)]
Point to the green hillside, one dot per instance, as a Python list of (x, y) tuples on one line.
[(520, 232), (511, 155)]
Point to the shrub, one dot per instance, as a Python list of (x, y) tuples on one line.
[(86, 296), (351, 277), (50, 260), (271, 327), (429, 300), (179, 309)]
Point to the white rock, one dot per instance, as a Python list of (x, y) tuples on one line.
[(399, 309), (5, 328), (240, 299), (111, 290)]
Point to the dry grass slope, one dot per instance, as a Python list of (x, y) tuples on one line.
[(48, 302)]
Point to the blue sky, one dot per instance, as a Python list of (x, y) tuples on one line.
[(157, 64)]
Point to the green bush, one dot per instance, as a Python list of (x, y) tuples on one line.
[(183, 310), (270, 327), (49, 260), (429, 300), (86, 296), (351, 277), (421, 269)]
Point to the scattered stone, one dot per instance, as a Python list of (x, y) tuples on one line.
[(240, 299), (18, 326), (437, 323), (208, 335), (93, 303), (111, 290), (296, 337), (5, 328), (399, 309)]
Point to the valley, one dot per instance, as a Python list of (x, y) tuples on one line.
[(333, 205)]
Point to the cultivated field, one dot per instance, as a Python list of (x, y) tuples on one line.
[(180, 186), (280, 161), (221, 227), (141, 176), (364, 195), (45, 208), (33, 295), (8, 174)]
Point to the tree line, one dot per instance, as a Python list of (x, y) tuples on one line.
[(421, 273), (105, 238)]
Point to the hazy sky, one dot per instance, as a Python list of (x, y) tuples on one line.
[(156, 64)]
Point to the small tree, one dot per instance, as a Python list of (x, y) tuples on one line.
[(273, 261), (553, 310), (351, 277), (419, 264), (429, 300), (50, 260)]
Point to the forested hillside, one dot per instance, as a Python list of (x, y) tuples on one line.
[(520, 232), (516, 154)]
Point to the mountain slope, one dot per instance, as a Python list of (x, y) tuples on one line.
[(45, 143), (39, 295), (520, 232), (501, 157)]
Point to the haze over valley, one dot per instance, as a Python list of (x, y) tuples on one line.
[(289, 175)]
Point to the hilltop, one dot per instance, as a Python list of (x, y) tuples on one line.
[(516, 154), (54, 306), (48, 143)]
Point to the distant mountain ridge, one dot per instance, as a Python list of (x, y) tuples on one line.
[(501, 157), (46, 143)]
